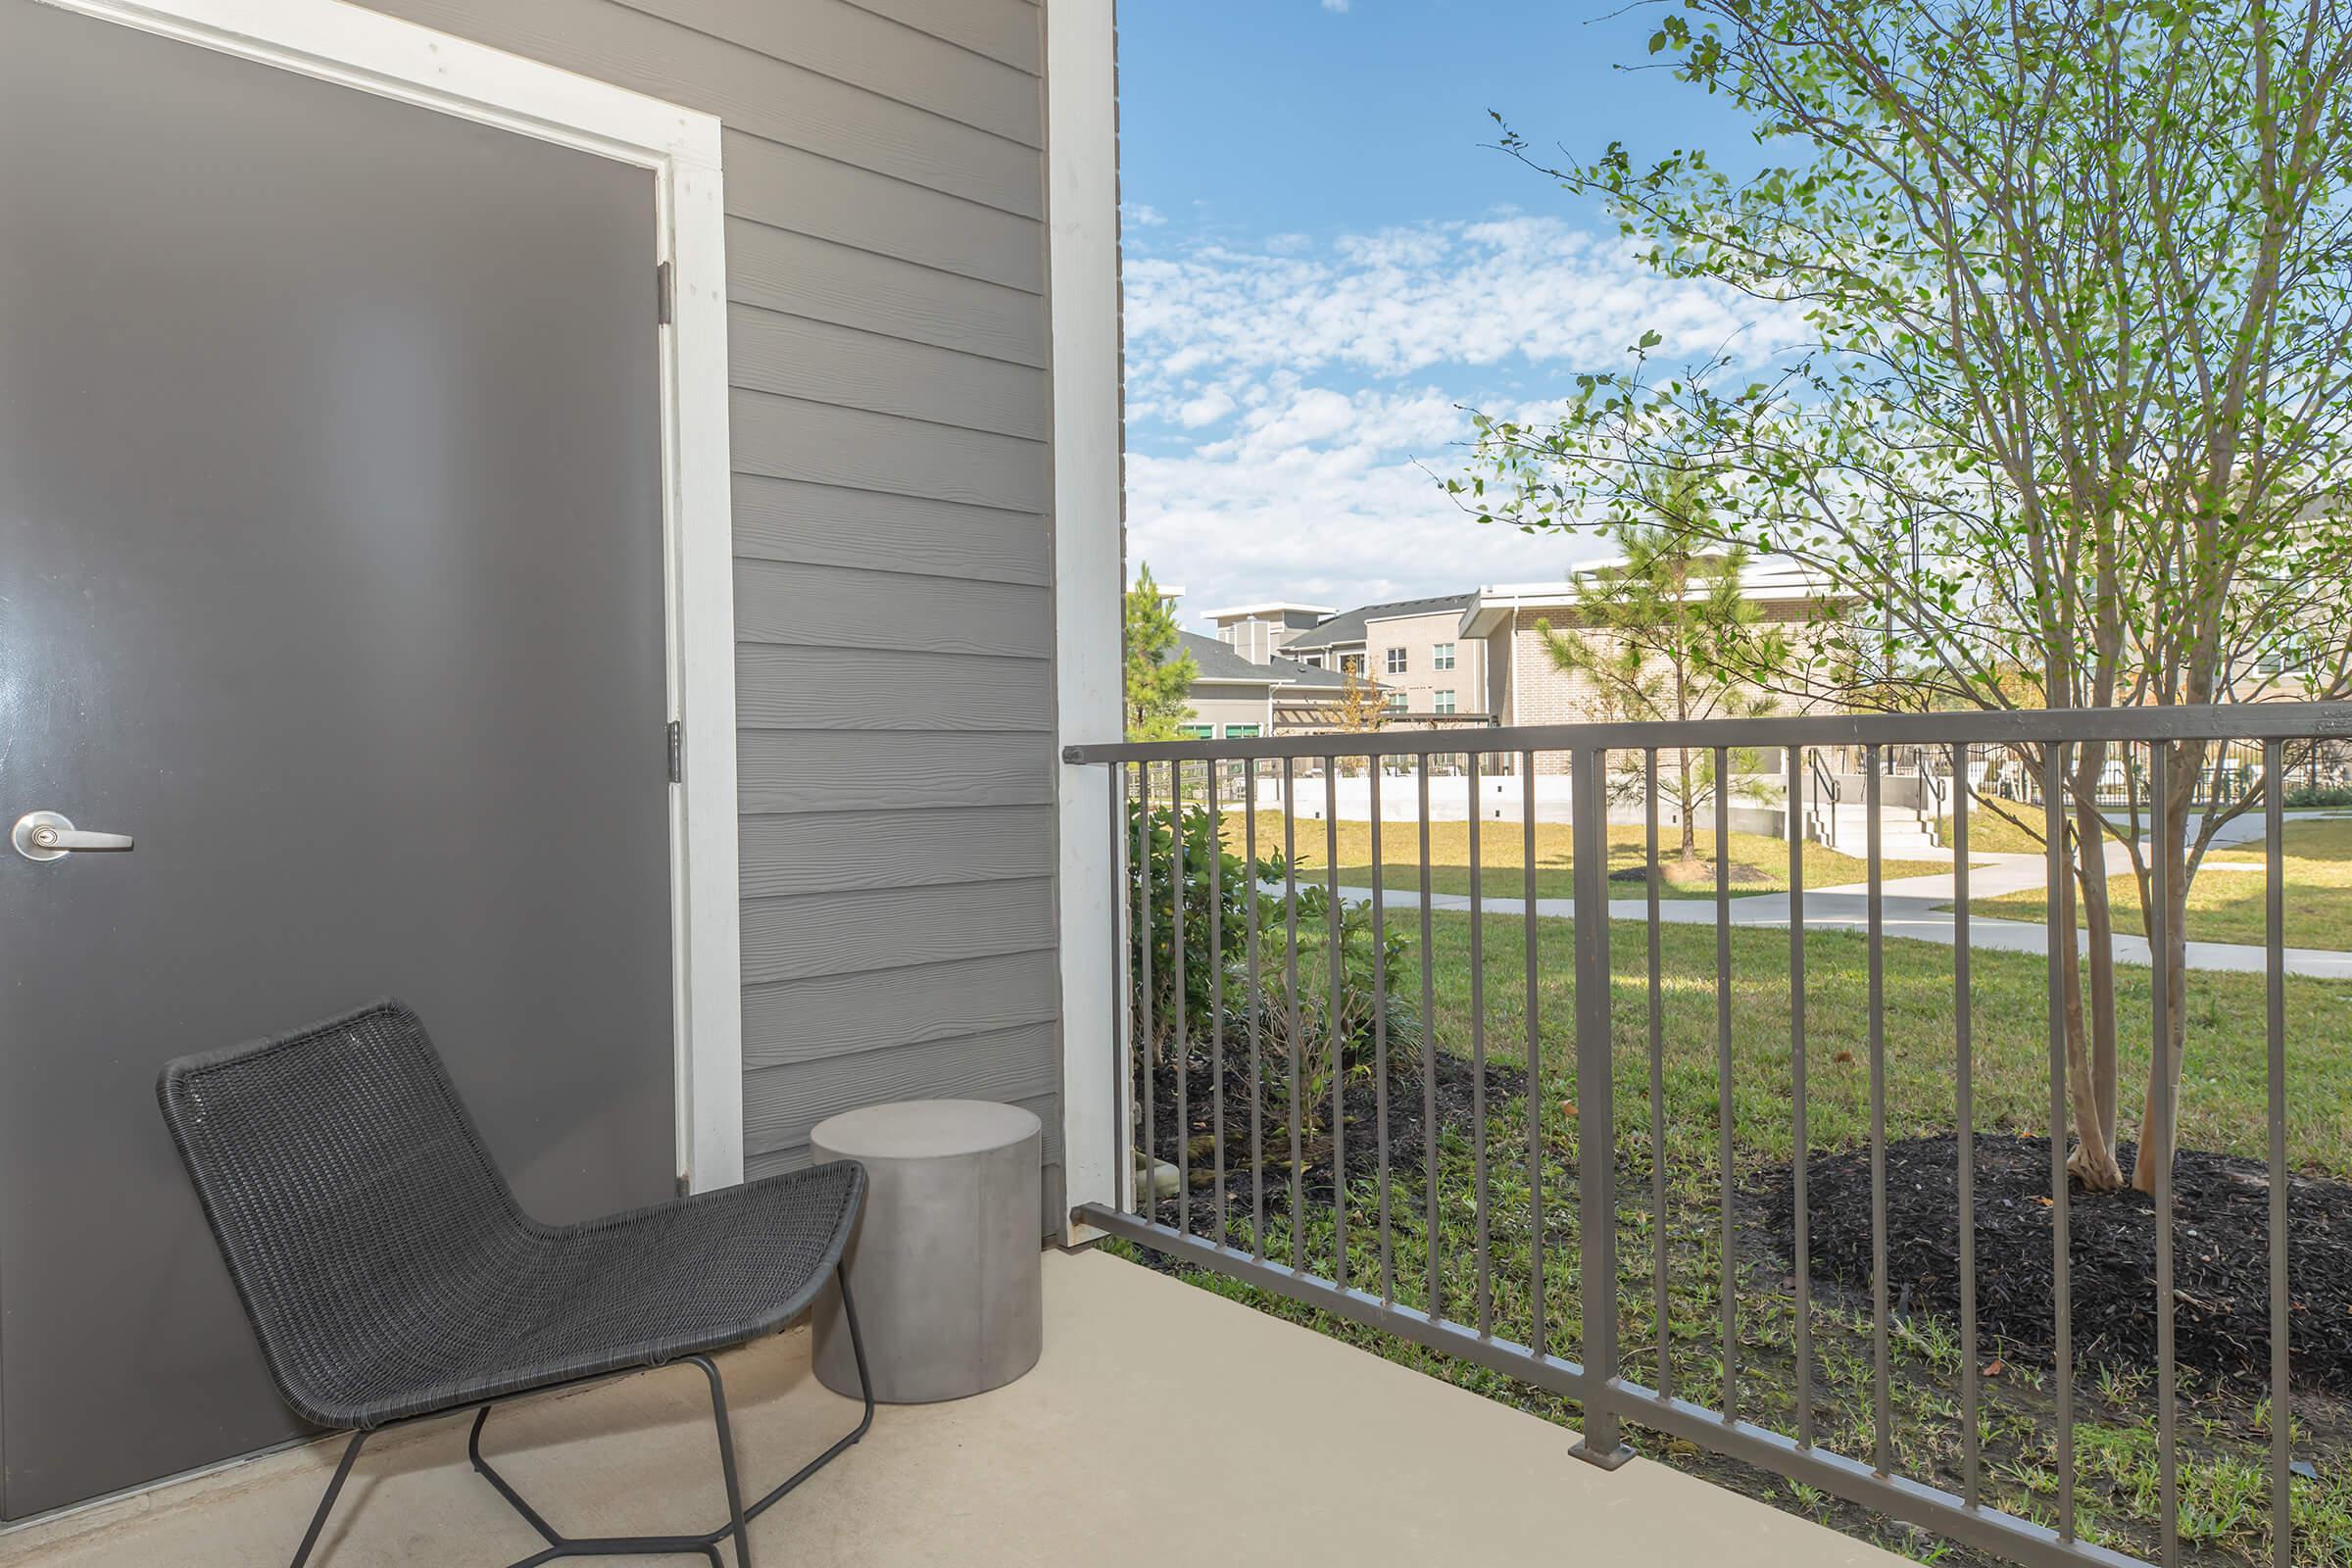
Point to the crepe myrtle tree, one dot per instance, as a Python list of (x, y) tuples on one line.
[(2059, 304)]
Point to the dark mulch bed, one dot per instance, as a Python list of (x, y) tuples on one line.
[(1408, 1130), (2221, 1259)]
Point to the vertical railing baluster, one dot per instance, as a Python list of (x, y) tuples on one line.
[(1335, 1024), (1181, 1044), (1882, 1389), (1964, 1051), (1379, 1033), (2164, 976), (1477, 1057), (2274, 934), (1148, 1203), (1535, 1055), (1216, 995), (1428, 1070), (1595, 1108), (2058, 894), (1723, 1128), (1122, 1006), (1295, 1092), (1799, 1134), (1258, 1007), (1661, 1248)]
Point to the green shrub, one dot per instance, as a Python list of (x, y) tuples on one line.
[(1240, 892), (1239, 885)]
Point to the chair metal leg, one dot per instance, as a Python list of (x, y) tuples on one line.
[(309, 1539), (708, 1543), (514, 1499), (866, 1387), (727, 1462)]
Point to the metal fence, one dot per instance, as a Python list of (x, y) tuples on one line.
[(1212, 1223)]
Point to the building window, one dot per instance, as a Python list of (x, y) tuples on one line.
[(1316, 660), (1197, 732), (1351, 663), (1241, 732), (1393, 702), (1395, 661), (1442, 657), (1440, 702)]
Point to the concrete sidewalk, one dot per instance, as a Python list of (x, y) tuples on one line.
[(1918, 908)]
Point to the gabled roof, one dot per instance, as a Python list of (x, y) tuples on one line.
[(1355, 624), (1220, 666)]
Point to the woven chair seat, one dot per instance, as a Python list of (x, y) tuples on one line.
[(388, 1270)]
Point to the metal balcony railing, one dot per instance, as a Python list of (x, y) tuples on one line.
[(1341, 1235)]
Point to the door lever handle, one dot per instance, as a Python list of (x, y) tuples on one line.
[(48, 836)]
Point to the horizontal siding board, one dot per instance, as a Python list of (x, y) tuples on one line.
[(788, 188), (848, 607), (822, 280), (870, 51), (782, 1105), (752, 92), (776, 1149), (846, 1015), (783, 855), (849, 933), (786, 438), (1002, 30), (823, 688), (796, 1152), (786, 519), (819, 362), (783, 771)]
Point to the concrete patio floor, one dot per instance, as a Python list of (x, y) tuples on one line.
[(1164, 1425)]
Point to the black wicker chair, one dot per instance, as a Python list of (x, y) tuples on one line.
[(389, 1273)]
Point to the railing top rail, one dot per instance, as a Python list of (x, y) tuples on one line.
[(2283, 721)]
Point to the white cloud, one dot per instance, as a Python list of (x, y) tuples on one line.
[(1513, 288), (1323, 495), (1335, 5), (1289, 400), (1143, 215)]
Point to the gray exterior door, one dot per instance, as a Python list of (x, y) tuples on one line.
[(330, 570)]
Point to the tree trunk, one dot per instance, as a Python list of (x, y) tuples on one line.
[(1685, 798), (2093, 1071), (2160, 1135)]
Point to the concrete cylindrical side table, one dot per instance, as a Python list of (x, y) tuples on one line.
[(944, 1262)]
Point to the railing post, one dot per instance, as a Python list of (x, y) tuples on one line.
[(1596, 1110)]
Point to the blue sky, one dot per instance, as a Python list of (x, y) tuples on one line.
[(1325, 265)]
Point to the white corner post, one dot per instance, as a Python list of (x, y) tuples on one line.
[(1082, 196)]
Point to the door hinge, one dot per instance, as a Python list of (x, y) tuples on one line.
[(665, 294), (677, 751)]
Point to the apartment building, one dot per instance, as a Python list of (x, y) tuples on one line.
[(1413, 649)]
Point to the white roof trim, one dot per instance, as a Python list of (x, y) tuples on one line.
[(1273, 606)]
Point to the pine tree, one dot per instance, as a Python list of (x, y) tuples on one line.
[(1667, 633), (1160, 674)]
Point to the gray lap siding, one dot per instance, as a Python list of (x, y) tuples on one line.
[(889, 344)]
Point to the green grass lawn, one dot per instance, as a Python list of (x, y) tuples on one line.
[(2227, 906), (1998, 827), (1502, 858), (2225, 1517)]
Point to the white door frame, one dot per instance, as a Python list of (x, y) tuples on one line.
[(401, 59)]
